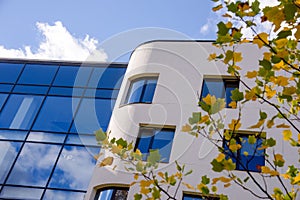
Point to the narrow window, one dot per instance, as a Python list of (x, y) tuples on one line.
[(141, 90), (199, 197), (152, 138), (250, 156), (220, 88), (112, 193)]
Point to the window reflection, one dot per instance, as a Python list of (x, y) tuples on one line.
[(69, 173), (34, 164), (8, 153), (62, 195), (72, 76), (46, 137), (107, 77), (21, 193), (19, 111), (9, 72), (56, 114), (2, 100), (112, 194)]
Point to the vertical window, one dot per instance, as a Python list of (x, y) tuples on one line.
[(220, 88), (249, 156), (199, 197), (112, 193), (155, 139), (141, 90)]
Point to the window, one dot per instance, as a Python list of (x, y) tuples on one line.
[(219, 87), (9, 72), (253, 159), (141, 90), (199, 197), (112, 193), (152, 138)]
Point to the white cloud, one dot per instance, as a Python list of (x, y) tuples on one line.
[(204, 29), (58, 44)]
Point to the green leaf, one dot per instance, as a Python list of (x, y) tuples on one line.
[(138, 196), (155, 193), (255, 7), (251, 139), (232, 7), (262, 115), (205, 180), (217, 167), (236, 95), (100, 135), (154, 157), (270, 142), (178, 166), (265, 64), (246, 179), (122, 142), (275, 59), (289, 10), (196, 116), (222, 29), (205, 190), (284, 34), (188, 173)]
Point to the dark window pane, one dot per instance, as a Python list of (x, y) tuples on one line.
[(107, 78), (74, 168), (5, 87), (8, 153), (72, 76), (196, 197), (163, 140), (102, 93), (56, 114), (12, 135), (19, 111), (21, 193), (46, 137), (28, 89), (149, 91), (38, 74), (34, 164), (2, 100), (72, 92), (9, 72), (135, 91), (62, 195), (112, 194), (92, 115)]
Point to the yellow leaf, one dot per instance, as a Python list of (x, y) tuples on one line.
[(279, 65), (234, 147), (297, 34), (250, 95), (144, 190), (252, 74), (298, 138), (115, 149), (132, 183), (259, 124), (279, 157), (106, 161), (274, 173), (215, 180), (161, 174), (246, 153), (136, 176), (286, 176), (186, 128), (237, 57), (269, 92), (189, 186), (209, 100), (261, 39), (282, 126), (282, 81), (267, 55), (265, 169), (204, 119), (232, 104), (281, 43), (287, 134), (227, 185), (218, 7), (270, 123), (220, 157), (138, 152), (297, 179), (212, 56), (234, 125), (225, 180), (146, 183)]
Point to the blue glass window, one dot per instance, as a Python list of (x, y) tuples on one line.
[(102, 93), (13, 135), (20, 111), (5, 87), (255, 158), (141, 90), (46, 137), (153, 139), (112, 193), (29, 89), (62, 195), (199, 197), (38, 74), (2, 100), (9, 72), (107, 77), (220, 88), (72, 76), (56, 114), (8, 153), (92, 115), (34, 164), (71, 92), (72, 158), (21, 193)]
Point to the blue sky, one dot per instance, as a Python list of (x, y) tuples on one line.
[(26, 24)]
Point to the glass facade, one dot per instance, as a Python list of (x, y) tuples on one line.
[(48, 113)]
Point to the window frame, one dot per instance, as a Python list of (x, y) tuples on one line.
[(154, 129), (237, 136), (199, 195), (115, 187), (145, 79), (227, 81)]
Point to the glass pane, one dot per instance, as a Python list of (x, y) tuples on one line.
[(74, 168), (81, 139), (2, 100), (92, 115), (163, 140), (46, 137), (56, 114), (107, 78), (20, 111), (72, 76), (110, 194), (5, 87), (12, 135), (135, 91), (21, 193), (63, 195), (213, 87), (8, 153), (38, 74), (144, 142), (75, 92), (9, 72), (102, 93), (34, 164), (28, 89), (149, 91)]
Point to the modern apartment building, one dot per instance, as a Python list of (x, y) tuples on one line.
[(49, 111)]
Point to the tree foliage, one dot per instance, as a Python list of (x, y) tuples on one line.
[(274, 83)]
